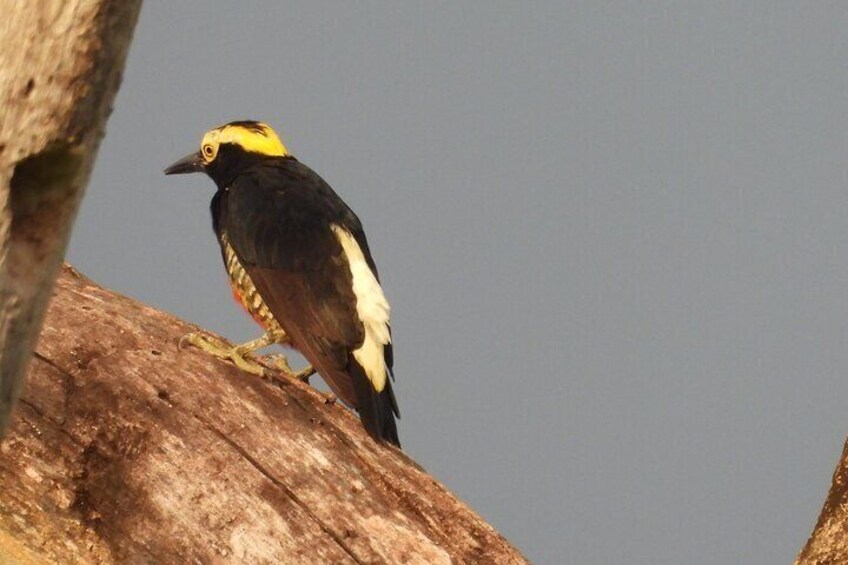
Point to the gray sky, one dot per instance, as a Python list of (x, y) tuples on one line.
[(613, 236)]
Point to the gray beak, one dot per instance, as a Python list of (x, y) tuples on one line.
[(191, 163)]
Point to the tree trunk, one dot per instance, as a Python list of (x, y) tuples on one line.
[(126, 449), (60, 66), (828, 544)]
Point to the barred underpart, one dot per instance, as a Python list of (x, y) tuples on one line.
[(244, 290)]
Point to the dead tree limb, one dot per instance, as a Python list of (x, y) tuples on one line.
[(60, 67), (125, 449), (828, 544)]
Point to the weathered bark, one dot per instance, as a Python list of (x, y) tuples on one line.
[(125, 449), (828, 544), (60, 66)]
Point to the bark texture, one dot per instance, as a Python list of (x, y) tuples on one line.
[(125, 449), (828, 544), (60, 67)]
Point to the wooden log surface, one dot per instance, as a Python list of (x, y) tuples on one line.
[(126, 449), (828, 544), (61, 62)]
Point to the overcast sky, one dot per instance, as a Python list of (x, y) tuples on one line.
[(614, 238)]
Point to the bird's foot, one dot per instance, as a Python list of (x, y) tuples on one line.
[(281, 363), (237, 354), (304, 374)]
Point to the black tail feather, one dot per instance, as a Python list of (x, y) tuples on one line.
[(377, 410)]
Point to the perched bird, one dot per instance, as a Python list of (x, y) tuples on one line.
[(299, 263)]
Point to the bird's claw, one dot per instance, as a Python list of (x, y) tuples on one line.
[(304, 374), (225, 351), (241, 356), (281, 363)]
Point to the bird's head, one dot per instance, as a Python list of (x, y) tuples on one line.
[(228, 149)]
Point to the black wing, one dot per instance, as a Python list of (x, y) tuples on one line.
[(278, 217)]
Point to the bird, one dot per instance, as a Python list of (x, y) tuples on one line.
[(299, 262)]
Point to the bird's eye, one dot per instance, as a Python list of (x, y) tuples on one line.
[(208, 151)]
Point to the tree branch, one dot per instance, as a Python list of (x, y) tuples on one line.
[(60, 67), (828, 544), (126, 449)]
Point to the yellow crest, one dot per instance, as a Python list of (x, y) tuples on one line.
[(254, 137)]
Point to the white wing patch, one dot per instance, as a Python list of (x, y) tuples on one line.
[(372, 308)]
